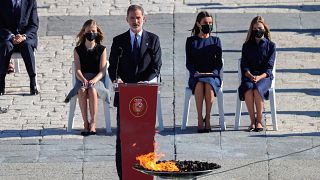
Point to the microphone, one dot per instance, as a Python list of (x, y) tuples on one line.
[(120, 52)]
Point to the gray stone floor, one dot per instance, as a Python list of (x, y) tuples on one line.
[(33, 139)]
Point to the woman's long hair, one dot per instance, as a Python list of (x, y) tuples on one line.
[(195, 30), (258, 19), (82, 39)]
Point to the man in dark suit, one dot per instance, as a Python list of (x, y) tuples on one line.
[(135, 57), (18, 32)]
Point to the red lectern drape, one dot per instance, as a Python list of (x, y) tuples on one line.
[(137, 122)]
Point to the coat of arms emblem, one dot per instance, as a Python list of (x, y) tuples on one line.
[(138, 106)]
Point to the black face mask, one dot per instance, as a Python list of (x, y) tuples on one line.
[(258, 33), (91, 36), (206, 29)]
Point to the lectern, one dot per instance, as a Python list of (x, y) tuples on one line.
[(138, 103)]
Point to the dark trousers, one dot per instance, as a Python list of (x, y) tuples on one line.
[(27, 52), (118, 147)]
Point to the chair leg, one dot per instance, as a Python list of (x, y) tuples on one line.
[(159, 112), (238, 113), (72, 108), (221, 111), (106, 108), (187, 96), (273, 109), (16, 65)]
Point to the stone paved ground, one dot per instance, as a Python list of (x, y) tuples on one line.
[(35, 145)]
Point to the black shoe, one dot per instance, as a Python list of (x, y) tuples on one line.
[(201, 131), (259, 129), (250, 129), (34, 90), (92, 133), (85, 133), (2, 91)]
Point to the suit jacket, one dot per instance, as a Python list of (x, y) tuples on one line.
[(148, 66), (130, 71), (27, 24)]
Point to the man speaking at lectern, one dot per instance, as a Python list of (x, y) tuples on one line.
[(135, 57)]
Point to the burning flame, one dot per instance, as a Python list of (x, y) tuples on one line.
[(149, 161)]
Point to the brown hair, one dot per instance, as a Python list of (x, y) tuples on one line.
[(195, 30), (134, 8), (82, 39), (258, 19)]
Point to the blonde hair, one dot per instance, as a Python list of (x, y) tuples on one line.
[(82, 39), (258, 19)]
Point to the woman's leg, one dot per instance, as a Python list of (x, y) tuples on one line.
[(249, 99), (93, 105), (199, 96), (82, 96), (259, 107), (209, 98)]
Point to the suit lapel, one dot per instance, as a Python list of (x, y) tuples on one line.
[(144, 43), (126, 40), (23, 8)]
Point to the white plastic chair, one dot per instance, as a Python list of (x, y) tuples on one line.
[(73, 102), (187, 96), (272, 97), (159, 111), (16, 58)]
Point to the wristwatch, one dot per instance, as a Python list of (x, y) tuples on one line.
[(24, 35)]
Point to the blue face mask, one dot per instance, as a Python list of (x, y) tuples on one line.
[(91, 36)]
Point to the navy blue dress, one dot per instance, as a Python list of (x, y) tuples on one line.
[(258, 59), (204, 55)]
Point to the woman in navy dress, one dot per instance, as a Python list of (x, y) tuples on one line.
[(258, 58), (204, 62)]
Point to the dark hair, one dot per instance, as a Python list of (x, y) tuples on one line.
[(258, 19), (81, 37), (195, 30), (134, 8)]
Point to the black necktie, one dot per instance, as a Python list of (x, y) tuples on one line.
[(136, 49)]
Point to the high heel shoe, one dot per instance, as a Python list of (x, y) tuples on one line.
[(93, 130), (86, 131), (258, 129), (250, 129)]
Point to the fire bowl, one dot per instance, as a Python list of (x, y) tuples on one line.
[(188, 170)]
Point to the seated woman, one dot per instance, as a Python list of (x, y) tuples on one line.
[(257, 60), (90, 58), (204, 62)]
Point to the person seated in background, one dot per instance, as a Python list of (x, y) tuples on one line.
[(18, 32), (90, 59), (257, 60), (204, 62)]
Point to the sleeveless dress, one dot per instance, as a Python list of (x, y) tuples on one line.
[(204, 55), (90, 67)]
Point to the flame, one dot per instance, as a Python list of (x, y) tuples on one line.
[(149, 161)]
